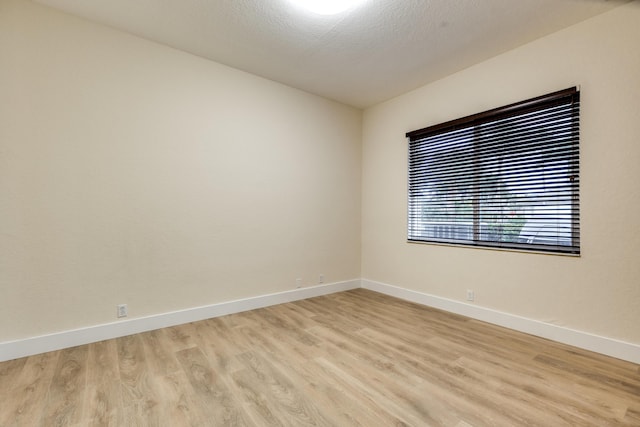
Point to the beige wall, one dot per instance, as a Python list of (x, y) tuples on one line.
[(598, 292), (134, 173)]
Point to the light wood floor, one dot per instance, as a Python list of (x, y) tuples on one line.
[(347, 359)]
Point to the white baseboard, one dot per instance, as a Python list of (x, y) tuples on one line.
[(56, 341), (608, 346)]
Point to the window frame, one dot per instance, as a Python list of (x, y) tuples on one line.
[(568, 97)]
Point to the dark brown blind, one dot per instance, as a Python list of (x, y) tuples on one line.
[(507, 178)]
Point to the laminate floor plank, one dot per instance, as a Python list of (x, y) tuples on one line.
[(547, 387), (453, 326), (440, 376), (160, 352), (24, 402), (336, 391), (171, 385), (623, 387), (341, 392), (222, 344), (221, 361), (399, 369), (441, 323), (277, 351), (632, 416), (140, 401), (336, 321), (275, 387), (270, 332), (284, 317), (215, 398), (9, 373), (65, 400), (410, 407), (178, 405), (180, 337), (354, 358), (434, 380), (103, 396), (319, 305), (298, 307)]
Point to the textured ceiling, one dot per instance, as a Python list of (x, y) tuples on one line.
[(378, 50)]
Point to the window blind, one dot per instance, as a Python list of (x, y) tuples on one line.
[(506, 178)]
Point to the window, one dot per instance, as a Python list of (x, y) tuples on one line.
[(505, 178)]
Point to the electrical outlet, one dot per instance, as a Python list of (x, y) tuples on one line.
[(122, 310), (321, 279), (470, 295), (298, 283)]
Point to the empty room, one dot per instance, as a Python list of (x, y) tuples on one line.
[(327, 213)]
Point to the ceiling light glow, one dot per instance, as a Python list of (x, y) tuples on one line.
[(327, 7)]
